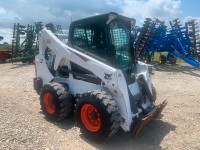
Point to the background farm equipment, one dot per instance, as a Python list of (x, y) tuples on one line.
[(54, 29), (154, 37), (27, 49), (4, 54), (57, 30), (195, 38)]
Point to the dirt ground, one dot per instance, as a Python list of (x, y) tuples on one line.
[(23, 126)]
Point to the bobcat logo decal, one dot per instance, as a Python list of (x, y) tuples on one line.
[(107, 76)]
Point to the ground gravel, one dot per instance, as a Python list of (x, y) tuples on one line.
[(23, 126)]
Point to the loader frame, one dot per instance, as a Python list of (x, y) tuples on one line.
[(115, 85)]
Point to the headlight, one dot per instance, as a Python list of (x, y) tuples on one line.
[(151, 70)]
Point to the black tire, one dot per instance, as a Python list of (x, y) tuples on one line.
[(109, 115), (162, 59), (172, 59), (61, 99), (154, 94)]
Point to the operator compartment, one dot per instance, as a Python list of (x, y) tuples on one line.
[(105, 38)]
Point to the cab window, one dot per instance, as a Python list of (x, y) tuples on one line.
[(90, 40)]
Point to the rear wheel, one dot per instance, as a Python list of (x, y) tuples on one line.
[(172, 59), (56, 101), (97, 115), (162, 59)]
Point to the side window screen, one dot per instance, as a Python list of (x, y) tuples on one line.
[(80, 38), (120, 37), (90, 35), (90, 39), (120, 40)]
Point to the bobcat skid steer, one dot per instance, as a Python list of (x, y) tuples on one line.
[(96, 75)]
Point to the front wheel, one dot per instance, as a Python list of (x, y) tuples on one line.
[(56, 101), (97, 115)]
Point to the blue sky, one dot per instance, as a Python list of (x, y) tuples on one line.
[(60, 11), (191, 7)]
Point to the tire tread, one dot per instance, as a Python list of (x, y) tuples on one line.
[(64, 99)]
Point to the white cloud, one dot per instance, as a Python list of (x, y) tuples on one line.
[(163, 9), (6, 33), (2, 10), (68, 13), (60, 12)]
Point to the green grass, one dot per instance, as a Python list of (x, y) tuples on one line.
[(4, 47), (157, 55)]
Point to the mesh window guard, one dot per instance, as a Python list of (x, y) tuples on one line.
[(120, 40)]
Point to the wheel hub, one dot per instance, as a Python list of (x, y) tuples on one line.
[(93, 115), (90, 117), (48, 102)]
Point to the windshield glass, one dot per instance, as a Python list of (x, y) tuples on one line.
[(120, 40)]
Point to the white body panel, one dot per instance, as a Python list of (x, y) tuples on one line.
[(115, 86)]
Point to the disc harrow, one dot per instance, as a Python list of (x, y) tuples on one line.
[(24, 43), (194, 37), (155, 37)]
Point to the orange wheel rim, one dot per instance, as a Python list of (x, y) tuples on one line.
[(90, 117), (50, 108)]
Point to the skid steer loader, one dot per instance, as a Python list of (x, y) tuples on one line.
[(96, 75)]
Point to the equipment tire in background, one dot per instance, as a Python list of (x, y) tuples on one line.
[(56, 101), (148, 59), (172, 59), (97, 115), (162, 59)]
